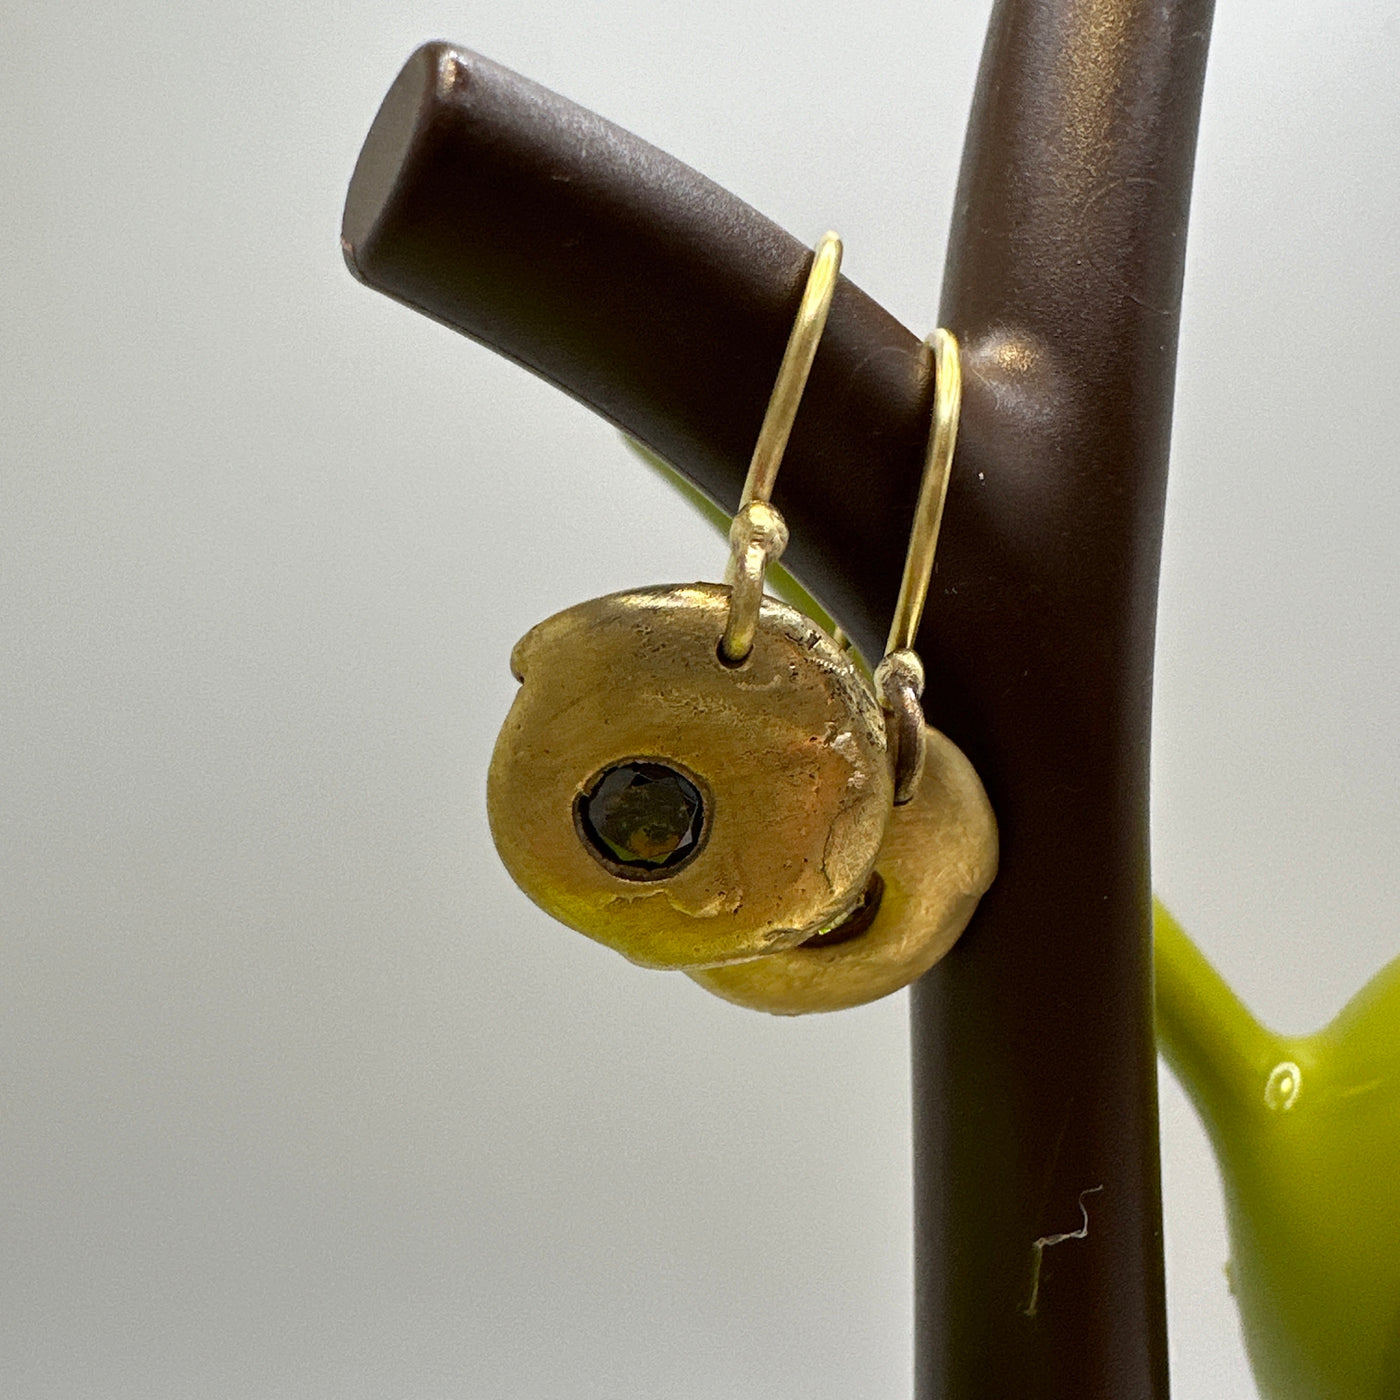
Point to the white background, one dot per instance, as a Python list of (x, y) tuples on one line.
[(300, 1098)]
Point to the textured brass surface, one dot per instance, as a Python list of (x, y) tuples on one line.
[(938, 858), (788, 749)]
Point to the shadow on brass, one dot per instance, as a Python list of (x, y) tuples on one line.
[(938, 858)]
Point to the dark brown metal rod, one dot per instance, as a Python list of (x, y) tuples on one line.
[(653, 296), (1034, 1063), (662, 302)]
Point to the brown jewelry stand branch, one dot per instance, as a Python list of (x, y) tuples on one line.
[(663, 303)]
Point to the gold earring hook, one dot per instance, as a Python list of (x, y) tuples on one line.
[(933, 491), (899, 678), (758, 534), (803, 339)]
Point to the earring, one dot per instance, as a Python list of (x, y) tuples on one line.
[(700, 777)]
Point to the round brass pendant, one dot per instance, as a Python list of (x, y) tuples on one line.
[(686, 812), (938, 858)]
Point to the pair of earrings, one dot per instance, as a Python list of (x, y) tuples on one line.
[(700, 777)]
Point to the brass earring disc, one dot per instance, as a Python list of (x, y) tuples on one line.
[(787, 750), (938, 858)]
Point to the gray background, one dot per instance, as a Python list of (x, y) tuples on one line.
[(300, 1097)]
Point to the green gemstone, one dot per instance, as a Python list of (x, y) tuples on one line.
[(644, 816)]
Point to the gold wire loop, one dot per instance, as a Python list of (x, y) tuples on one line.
[(899, 682), (752, 548), (899, 678), (803, 339), (933, 492), (757, 536)]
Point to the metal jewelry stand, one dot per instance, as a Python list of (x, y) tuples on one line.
[(663, 303)]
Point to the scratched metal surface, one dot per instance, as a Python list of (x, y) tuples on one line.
[(300, 1096)]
